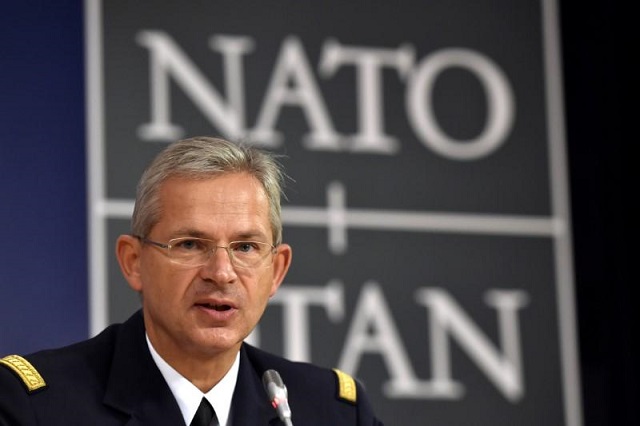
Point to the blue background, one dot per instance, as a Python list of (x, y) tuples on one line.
[(43, 247), (43, 283)]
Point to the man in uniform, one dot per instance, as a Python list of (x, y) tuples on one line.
[(205, 254)]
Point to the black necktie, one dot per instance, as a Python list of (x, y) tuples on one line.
[(205, 416)]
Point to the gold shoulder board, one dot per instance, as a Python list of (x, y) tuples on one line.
[(25, 371), (346, 386)]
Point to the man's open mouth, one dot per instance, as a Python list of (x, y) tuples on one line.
[(219, 308)]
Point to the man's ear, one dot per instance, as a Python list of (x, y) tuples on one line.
[(128, 254), (281, 263)]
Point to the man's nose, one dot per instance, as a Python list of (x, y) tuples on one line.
[(219, 266)]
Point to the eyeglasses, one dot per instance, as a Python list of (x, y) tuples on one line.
[(193, 252)]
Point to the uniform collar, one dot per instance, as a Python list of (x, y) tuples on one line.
[(135, 386), (251, 405), (189, 396)]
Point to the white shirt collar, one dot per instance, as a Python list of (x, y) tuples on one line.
[(189, 396)]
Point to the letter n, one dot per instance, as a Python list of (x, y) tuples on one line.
[(168, 60), (446, 318)]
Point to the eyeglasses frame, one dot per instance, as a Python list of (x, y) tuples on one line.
[(168, 245)]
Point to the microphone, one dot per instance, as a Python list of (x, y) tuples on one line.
[(277, 392)]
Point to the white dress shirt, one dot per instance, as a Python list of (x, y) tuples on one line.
[(189, 396)]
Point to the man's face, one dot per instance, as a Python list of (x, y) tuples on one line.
[(179, 301)]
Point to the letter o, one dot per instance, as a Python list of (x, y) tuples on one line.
[(500, 104)]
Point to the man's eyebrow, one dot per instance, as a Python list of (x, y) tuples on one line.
[(251, 234), (189, 232)]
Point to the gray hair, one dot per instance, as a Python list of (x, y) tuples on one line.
[(201, 158)]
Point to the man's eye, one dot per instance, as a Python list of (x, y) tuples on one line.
[(244, 246), (189, 245)]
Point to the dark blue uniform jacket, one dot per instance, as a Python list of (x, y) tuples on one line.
[(111, 379)]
